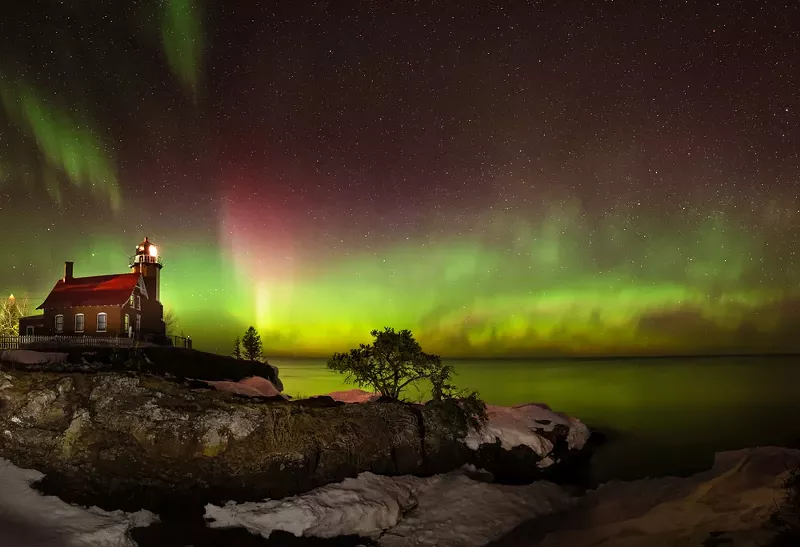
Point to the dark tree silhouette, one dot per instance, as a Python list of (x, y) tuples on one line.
[(391, 363), (237, 348), (251, 344), (170, 321)]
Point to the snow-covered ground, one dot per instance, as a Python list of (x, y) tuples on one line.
[(449, 509), (253, 386), (455, 510), (31, 357), (354, 396), (364, 506), (523, 425), (29, 519)]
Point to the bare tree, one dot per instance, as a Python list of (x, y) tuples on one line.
[(170, 321), (11, 310)]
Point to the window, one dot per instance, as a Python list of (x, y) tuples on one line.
[(59, 323), (138, 302), (130, 300), (102, 321), (127, 323), (79, 322), (29, 330), (138, 323)]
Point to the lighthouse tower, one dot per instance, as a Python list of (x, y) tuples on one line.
[(146, 261)]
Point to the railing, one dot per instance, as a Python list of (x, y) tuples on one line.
[(34, 341), (180, 341)]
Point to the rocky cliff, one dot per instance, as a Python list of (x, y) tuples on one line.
[(129, 440)]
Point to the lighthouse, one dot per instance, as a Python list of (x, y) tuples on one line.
[(147, 262)]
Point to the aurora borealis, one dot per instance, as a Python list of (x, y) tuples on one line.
[(503, 180)]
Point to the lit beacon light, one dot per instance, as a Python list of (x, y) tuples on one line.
[(153, 250)]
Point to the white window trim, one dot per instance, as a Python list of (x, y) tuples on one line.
[(29, 330), (138, 302), (105, 321), (55, 326), (83, 319)]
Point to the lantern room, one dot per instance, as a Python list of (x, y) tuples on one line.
[(146, 252)]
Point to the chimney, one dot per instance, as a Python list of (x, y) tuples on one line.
[(68, 271)]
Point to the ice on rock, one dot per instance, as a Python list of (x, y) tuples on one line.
[(363, 506), (27, 518), (443, 510), (523, 425)]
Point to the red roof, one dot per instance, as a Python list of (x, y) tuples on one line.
[(100, 290)]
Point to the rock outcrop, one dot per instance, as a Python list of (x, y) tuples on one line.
[(176, 363), (125, 440), (729, 505)]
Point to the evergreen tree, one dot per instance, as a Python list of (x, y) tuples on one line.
[(251, 344), (237, 348)]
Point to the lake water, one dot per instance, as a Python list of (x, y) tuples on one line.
[(667, 416)]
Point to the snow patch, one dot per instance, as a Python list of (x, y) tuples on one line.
[(363, 506), (31, 357), (28, 518), (443, 510), (527, 425), (458, 511), (254, 386), (354, 396)]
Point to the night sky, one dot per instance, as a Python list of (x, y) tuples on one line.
[(504, 178)]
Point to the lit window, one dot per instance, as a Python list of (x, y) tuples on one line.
[(59, 323), (102, 321), (127, 322), (138, 302), (79, 322), (130, 300)]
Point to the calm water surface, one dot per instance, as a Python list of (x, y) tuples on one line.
[(667, 416)]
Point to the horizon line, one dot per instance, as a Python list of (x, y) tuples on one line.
[(575, 357)]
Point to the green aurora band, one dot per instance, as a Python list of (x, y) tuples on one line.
[(71, 150), (559, 286), (182, 39)]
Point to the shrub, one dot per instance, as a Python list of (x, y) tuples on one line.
[(395, 361), (391, 363)]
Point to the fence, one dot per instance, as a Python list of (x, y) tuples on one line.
[(179, 341), (34, 341)]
